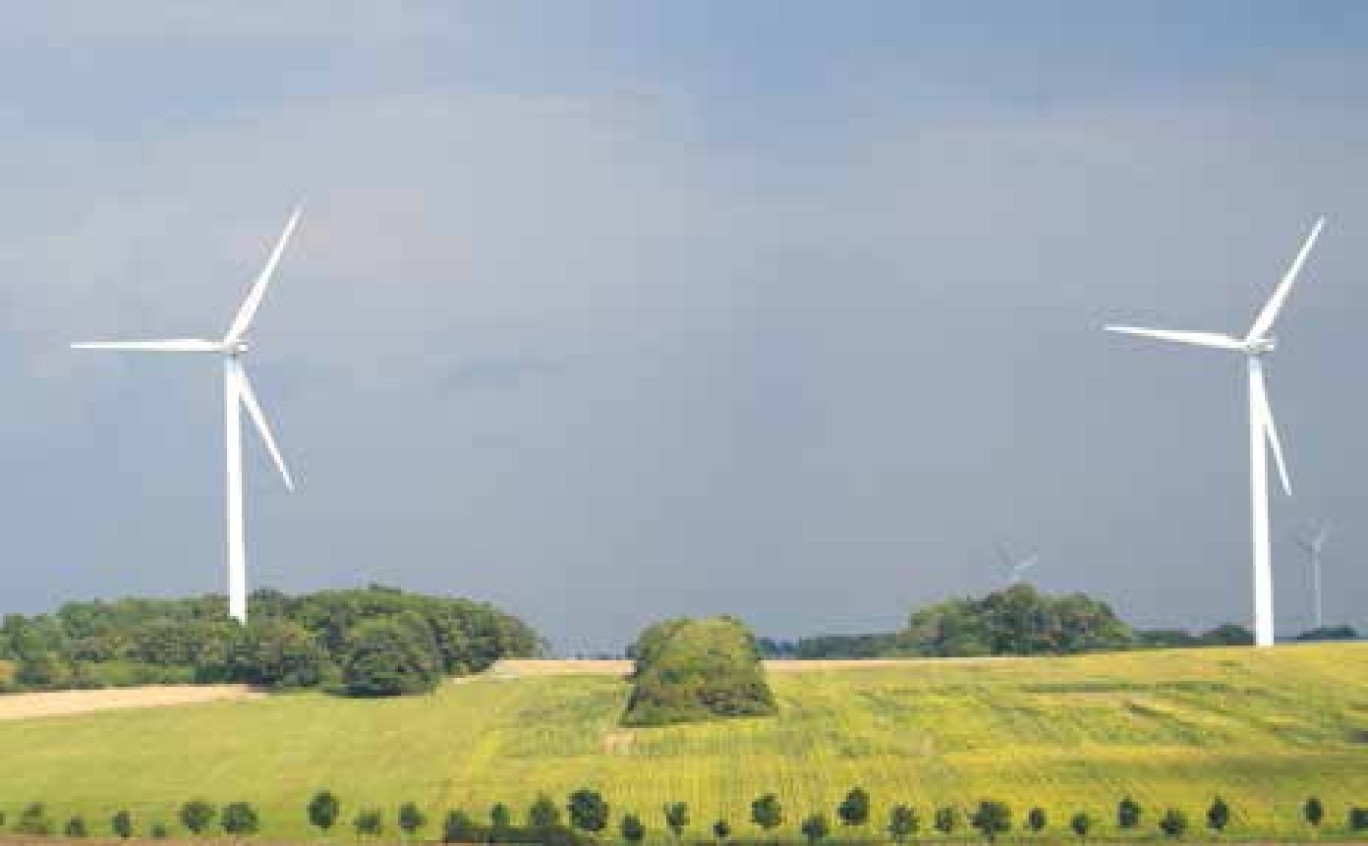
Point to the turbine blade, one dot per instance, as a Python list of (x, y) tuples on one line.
[(1028, 563), (243, 321), (249, 401), (1264, 322), (1265, 412), (180, 345), (1003, 554), (1200, 339)]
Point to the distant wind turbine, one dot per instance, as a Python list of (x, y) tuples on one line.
[(238, 394), (1016, 566), (1263, 434), (1313, 546)]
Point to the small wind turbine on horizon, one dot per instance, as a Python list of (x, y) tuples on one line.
[(1016, 566), (1263, 433), (238, 394), (1313, 546)]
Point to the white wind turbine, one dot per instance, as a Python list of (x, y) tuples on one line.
[(1263, 434), (238, 394), (1017, 566), (1313, 546)]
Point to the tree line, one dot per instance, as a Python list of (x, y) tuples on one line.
[(375, 641), (1018, 620), (586, 818)]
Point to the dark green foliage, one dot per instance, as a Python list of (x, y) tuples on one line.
[(689, 670), (721, 830), (854, 809), (767, 811), (991, 818), (239, 819), (1081, 824), (34, 821), (1016, 621), (588, 811), (368, 822), (1218, 815), (1358, 819), (197, 815), (1128, 814), (459, 828), (1229, 634), (392, 656), (410, 819), (500, 823), (291, 641), (676, 817), (76, 827), (323, 810), (1329, 633), (1173, 823), (160, 830), (947, 819), (543, 814), (632, 829), (848, 646), (1036, 820), (903, 822), (1313, 811), (815, 828), (122, 824)]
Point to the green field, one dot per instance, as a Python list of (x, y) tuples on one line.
[(1264, 729)]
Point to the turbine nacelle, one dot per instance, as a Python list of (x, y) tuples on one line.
[(1260, 346)]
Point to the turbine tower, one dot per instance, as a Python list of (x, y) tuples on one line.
[(1017, 566), (1263, 433), (1313, 546), (237, 395)]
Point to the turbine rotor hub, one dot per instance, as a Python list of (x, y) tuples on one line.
[(1260, 346)]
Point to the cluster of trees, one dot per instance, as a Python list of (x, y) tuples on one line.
[(586, 818), (1018, 620), (687, 670), (375, 641)]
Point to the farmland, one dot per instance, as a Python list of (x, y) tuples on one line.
[(1265, 729)]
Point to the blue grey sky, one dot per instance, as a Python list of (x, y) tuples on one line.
[(616, 311)]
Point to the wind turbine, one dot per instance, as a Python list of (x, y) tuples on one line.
[(237, 394), (1313, 546), (1017, 566), (1263, 433)]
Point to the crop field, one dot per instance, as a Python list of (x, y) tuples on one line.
[(1263, 729)]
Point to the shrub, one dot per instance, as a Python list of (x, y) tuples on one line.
[(1081, 824), (1173, 823), (197, 815), (854, 809), (1358, 819), (76, 827), (239, 819), (323, 810), (543, 814), (947, 819), (767, 811), (588, 811), (34, 821), (1218, 815), (160, 831), (991, 818), (368, 822), (902, 823), (459, 828), (410, 819), (676, 817), (1036, 820), (500, 822), (122, 824), (632, 829), (1128, 813), (721, 830), (815, 828), (1313, 811)]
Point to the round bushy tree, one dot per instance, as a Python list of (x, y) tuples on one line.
[(767, 812), (815, 828), (323, 810), (902, 823), (1128, 813), (1173, 823), (1358, 819), (676, 817), (632, 829), (588, 811), (239, 819), (1036, 820), (76, 827), (854, 809), (410, 819), (947, 819), (991, 818), (1218, 815), (721, 830), (197, 815), (160, 831), (543, 814), (368, 822), (1081, 824), (122, 824), (1313, 811)]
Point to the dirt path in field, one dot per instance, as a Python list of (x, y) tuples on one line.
[(598, 667), (24, 706)]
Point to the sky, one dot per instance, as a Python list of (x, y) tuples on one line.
[(612, 312)]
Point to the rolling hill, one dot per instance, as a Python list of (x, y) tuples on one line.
[(1263, 729)]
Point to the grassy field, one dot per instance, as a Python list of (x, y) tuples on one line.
[(1264, 729)]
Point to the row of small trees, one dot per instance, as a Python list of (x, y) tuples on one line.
[(588, 816)]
